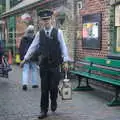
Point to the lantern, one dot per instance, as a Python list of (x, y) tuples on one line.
[(26, 18), (66, 89)]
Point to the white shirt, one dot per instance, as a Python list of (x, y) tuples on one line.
[(35, 45)]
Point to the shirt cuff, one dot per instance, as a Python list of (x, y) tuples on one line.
[(26, 58), (66, 59)]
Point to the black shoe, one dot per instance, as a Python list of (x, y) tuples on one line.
[(42, 115), (53, 106), (24, 87), (35, 86)]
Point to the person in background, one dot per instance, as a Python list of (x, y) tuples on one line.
[(53, 52), (1, 52), (30, 67)]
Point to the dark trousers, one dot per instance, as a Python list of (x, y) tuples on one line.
[(50, 78)]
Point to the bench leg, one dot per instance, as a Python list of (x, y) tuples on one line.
[(82, 88), (79, 82), (87, 87), (87, 83), (115, 101)]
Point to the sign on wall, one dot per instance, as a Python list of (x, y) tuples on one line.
[(91, 31)]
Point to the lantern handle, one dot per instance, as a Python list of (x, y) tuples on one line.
[(66, 74)]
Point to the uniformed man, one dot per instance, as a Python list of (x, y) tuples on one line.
[(53, 52)]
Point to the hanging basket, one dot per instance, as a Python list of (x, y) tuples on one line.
[(26, 17)]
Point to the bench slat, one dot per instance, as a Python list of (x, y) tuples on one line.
[(97, 77), (103, 70), (103, 61)]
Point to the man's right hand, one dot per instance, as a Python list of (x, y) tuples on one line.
[(22, 63), (65, 66)]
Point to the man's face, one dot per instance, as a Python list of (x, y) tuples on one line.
[(47, 22)]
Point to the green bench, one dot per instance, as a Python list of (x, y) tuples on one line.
[(99, 69)]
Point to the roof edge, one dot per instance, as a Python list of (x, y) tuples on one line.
[(24, 8)]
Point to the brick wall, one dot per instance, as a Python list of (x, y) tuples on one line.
[(91, 7)]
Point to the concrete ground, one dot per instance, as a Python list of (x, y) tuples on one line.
[(16, 104)]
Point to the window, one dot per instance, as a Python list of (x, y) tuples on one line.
[(2, 6), (117, 25), (118, 40), (14, 2)]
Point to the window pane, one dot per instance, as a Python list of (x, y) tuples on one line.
[(118, 40), (117, 15)]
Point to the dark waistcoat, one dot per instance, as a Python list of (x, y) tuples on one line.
[(50, 48)]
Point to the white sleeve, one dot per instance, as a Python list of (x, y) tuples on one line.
[(63, 46), (33, 47)]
